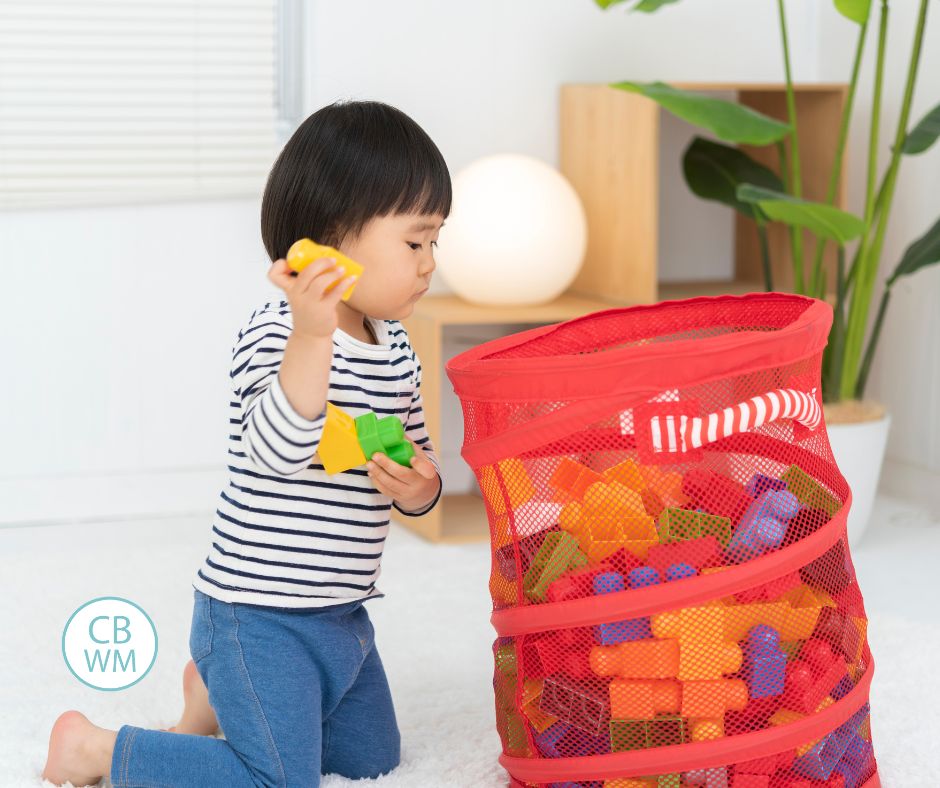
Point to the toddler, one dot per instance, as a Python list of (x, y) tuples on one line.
[(284, 658)]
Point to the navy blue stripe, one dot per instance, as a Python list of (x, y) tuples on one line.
[(307, 499), (256, 591), (292, 580), (307, 534), (291, 549), (311, 567)]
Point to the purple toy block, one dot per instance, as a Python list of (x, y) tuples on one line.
[(765, 664), (763, 525), (679, 571), (547, 740), (612, 632), (760, 483), (819, 762)]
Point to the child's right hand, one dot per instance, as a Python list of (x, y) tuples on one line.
[(313, 310)]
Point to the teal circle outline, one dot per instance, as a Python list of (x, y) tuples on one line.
[(156, 643)]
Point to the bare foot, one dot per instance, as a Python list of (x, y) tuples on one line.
[(79, 751), (198, 717)]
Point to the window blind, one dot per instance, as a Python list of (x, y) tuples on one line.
[(110, 101)]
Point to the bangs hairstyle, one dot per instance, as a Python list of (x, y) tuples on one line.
[(347, 163)]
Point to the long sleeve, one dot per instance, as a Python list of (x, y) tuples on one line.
[(416, 430), (275, 437)]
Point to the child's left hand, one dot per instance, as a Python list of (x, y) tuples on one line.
[(411, 488)]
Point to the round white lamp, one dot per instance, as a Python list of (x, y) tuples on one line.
[(516, 234)]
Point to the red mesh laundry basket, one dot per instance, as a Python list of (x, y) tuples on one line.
[(673, 594)]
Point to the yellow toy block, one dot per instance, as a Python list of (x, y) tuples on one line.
[(305, 251), (339, 447)]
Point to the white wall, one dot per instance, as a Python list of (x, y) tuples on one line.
[(118, 322)]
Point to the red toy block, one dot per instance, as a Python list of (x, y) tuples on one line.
[(812, 677), (695, 552), (805, 522), (574, 585), (769, 765), (622, 561), (528, 547), (750, 781), (771, 591), (716, 494)]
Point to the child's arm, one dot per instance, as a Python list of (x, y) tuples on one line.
[(282, 378)]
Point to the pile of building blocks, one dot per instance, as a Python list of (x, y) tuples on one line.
[(762, 657)]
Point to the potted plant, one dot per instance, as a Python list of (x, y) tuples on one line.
[(720, 171)]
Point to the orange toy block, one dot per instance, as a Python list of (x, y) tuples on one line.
[(666, 484), (512, 481), (632, 782), (632, 699), (572, 478), (614, 499), (515, 479), (637, 659), (706, 729), (713, 698), (705, 650), (531, 694), (626, 473)]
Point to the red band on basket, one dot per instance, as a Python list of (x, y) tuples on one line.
[(696, 755)]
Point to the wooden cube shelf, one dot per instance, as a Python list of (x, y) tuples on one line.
[(609, 151)]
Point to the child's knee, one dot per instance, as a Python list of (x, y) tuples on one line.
[(374, 762)]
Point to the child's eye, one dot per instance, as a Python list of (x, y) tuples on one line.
[(433, 243)]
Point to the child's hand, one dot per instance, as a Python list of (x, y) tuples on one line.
[(312, 309), (411, 488)]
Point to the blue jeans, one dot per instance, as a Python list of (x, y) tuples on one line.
[(297, 693)]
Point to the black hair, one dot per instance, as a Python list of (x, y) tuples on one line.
[(347, 163)]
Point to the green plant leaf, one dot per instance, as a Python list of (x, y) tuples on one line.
[(923, 252), (924, 134), (824, 220), (856, 10), (648, 6), (729, 121), (714, 171)]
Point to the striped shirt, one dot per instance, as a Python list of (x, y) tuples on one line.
[(285, 533)]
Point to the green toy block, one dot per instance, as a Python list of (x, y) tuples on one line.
[(667, 729), (670, 781), (578, 560), (629, 735), (551, 561), (386, 435), (506, 659), (677, 525), (810, 492)]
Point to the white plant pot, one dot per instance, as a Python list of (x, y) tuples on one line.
[(859, 450)]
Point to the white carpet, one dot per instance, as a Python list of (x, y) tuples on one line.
[(432, 630)]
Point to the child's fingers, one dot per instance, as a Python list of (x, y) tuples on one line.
[(421, 463), (386, 472)]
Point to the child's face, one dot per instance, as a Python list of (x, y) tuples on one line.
[(398, 259)]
